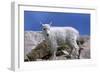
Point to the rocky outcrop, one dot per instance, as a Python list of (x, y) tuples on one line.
[(39, 52), (85, 53), (36, 48), (31, 40)]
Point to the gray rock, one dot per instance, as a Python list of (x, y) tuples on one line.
[(34, 47), (85, 53), (31, 40)]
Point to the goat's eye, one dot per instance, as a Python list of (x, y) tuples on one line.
[(44, 29)]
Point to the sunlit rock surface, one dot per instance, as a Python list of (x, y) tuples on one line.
[(34, 47)]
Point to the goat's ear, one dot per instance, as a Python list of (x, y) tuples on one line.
[(50, 23), (41, 23)]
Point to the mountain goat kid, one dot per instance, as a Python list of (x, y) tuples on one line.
[(56, 36)]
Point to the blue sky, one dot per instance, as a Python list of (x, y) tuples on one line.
[(79, 21)]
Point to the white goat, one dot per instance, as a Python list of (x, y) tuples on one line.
[(57, 36)]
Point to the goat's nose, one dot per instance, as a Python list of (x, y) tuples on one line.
[(47, 34)]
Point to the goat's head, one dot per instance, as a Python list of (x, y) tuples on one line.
[(46, 29)]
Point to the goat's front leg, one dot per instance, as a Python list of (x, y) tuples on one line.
[(53, 51), (53, 57)]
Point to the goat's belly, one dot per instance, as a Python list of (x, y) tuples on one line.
[(61, 41)]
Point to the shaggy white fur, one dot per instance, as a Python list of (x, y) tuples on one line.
[(57, 36)]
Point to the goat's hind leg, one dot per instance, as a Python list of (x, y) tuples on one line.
[(75, 50)]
